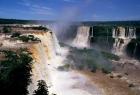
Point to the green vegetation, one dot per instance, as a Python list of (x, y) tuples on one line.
[(13, 21), (32, 38), (15, 72), (16, 34), (103, 37), (42, 88), (106, 70), (103, 31), (28, 38), (6, 30), (65, 67), (25, 38), (89, 59), (17, 21), (40, 28), (110, 56), (90, 23)]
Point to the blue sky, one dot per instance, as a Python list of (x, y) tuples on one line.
[(86, 10)]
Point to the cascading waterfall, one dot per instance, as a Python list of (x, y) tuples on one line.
[(132, 32), (82, 37), (42, 54), (122, 37), (39, 68), (56, 44)]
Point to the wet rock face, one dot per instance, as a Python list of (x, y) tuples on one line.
[(123, 36), (138, 32), (133, 48)]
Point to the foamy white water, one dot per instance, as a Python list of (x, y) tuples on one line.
[(69, 82), (82, 38), (59, 82)]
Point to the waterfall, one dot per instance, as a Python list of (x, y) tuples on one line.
[(132, 32), (122, 37), (114, 33), (39, 68), (42, 53), (56, 44), (82, 38)]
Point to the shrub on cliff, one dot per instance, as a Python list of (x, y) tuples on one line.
[(42, 88), (6, 30), (27, 38), (16, 34)]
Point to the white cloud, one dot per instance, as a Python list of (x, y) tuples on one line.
[(35, 8)]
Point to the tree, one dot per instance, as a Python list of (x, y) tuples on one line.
[(15, 78), (42, 88)]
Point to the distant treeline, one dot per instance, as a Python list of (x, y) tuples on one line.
[(112, 23), (17, 21), (88, 23)]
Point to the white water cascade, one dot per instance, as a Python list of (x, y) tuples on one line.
[(42, 53), (82, 38), (39, 68), (56, 44), (122, 37)]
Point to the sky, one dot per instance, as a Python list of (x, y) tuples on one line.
[(83, 10)]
